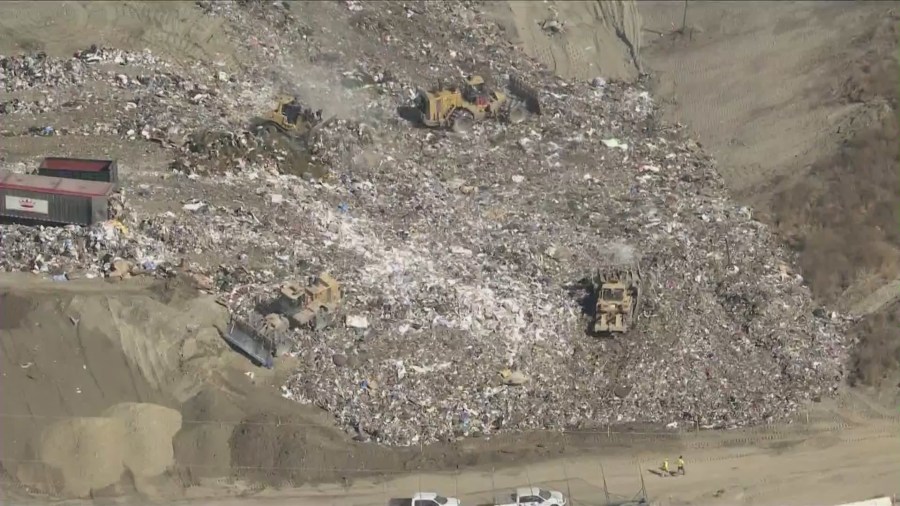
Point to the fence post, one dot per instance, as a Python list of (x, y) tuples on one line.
[(643, 485), (605, 487), (568, 482), (493, 486)]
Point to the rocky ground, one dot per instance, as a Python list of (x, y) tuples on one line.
[(463, 251)]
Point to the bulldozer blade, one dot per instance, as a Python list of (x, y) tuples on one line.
[(519, 88), (321, 124)]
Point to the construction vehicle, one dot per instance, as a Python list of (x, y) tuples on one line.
[(311, 305), (250, 337), (289, 117), (618, 291), (459, 107)]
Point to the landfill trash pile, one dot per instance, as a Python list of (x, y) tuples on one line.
[(462, 254), (146, 92)]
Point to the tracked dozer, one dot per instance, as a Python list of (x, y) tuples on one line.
[(289, 117), (312, 305), (618, 298), (459, 107)]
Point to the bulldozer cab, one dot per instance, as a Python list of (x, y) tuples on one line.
[(286, 113), (315, 302), (291, 112), (612, 293), (323, 291), (475, 91), (475, 81)]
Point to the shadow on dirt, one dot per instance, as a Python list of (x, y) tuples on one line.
[(585, 292), (876, 360)]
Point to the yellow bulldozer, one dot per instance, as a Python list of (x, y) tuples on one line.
[(618, 298), (289, 117), (459, 107), (311, 305)]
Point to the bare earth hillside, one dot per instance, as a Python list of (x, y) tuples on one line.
[(802, 118)]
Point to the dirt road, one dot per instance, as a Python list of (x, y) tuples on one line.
[(830, 467)]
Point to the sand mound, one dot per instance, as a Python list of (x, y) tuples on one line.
[(580, 39), (202, 442), (93, 375), (88, 452), (111, 389), (148, 429), (92, 453)]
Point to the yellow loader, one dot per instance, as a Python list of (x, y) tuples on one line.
[(460, 107)]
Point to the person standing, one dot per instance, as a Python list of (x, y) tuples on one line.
[(680, 465), (665, 467)]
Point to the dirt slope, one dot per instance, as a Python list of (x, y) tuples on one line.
[(91, 374), (594, 39), (108, 387), (757, 84), (798, 104)]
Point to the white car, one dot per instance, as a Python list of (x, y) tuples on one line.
[(534, 496), (433, 499)]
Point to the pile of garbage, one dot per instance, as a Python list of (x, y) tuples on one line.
[(462, 254), (27, 72), (146, 92), (469, 269)]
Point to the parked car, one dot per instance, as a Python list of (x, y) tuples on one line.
[(533, 496), (425, 499)]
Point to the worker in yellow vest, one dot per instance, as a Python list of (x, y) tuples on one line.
[(681, 465), (665, 466)]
